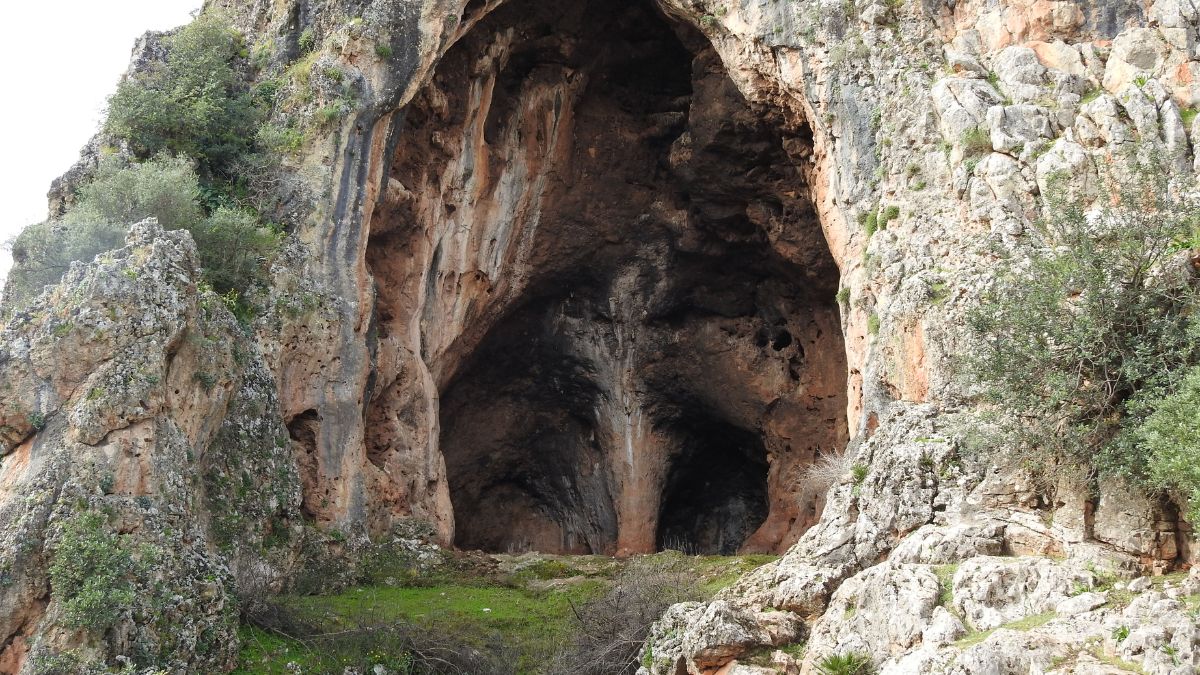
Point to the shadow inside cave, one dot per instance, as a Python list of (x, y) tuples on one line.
[(649, 348)]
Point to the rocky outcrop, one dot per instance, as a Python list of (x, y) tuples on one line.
[(137, 439), (607, 278), (603, 280), (961, 149)]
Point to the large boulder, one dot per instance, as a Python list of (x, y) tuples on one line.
[(131, 401)]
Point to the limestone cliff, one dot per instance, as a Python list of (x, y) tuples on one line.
[(595, 277)]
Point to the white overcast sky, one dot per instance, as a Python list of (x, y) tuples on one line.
[(64, 58)]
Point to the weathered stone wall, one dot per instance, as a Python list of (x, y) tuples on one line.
[(540, 263), (133, 399)]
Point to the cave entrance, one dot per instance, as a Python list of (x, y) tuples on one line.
[(605, 262), (715, 494)]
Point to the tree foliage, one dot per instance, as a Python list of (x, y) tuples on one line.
[(1169, 436), (43, 252), (121, 193), (195, 104), (1084, 333), (233, 246)]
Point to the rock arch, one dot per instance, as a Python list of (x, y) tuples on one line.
[(603, 298)]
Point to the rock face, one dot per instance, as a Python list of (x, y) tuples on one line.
[(134, 423), (619, 289), (608, 277)]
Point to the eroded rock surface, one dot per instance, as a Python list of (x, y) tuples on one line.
[(139, 437), (608, 277)]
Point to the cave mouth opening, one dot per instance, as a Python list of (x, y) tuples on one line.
[(715, 494), (623, 294)]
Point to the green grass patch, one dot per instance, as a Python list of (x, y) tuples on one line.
[(945, 575), (532, 623), (1174, 578), (498, 607), (528, 610), (265, 653), (1025, 624), (720, 572)]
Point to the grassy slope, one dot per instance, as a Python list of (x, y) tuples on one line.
[(529, 611)]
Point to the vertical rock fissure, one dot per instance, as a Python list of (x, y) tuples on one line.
[(617, 285)]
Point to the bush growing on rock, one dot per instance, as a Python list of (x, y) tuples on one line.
[(1170, 437), (88, 574), (118, 196), (42, 252), (233, 246), (195, 104), (121, 193), (850, 663), (1084, 335), (209, 162)]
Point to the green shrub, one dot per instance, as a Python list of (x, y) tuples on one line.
[(976, 142), (88, 573), (195, 104), (850, 663), (888, 215), (383, 51), (260, 55), (1188, 115), (871, 223), (118, 196), (234, 248), (308, 40), (42, 252), (859, 473), (1080, 337), (165, 188), (1170, 438), (333, 112), (873, 324), (280, 139)]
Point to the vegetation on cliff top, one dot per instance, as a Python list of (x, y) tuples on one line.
[(195, 104), (191, 126)]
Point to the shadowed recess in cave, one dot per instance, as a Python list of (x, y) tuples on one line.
[(630, 313), (715, 494)]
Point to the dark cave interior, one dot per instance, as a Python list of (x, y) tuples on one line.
[(674, 355)]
